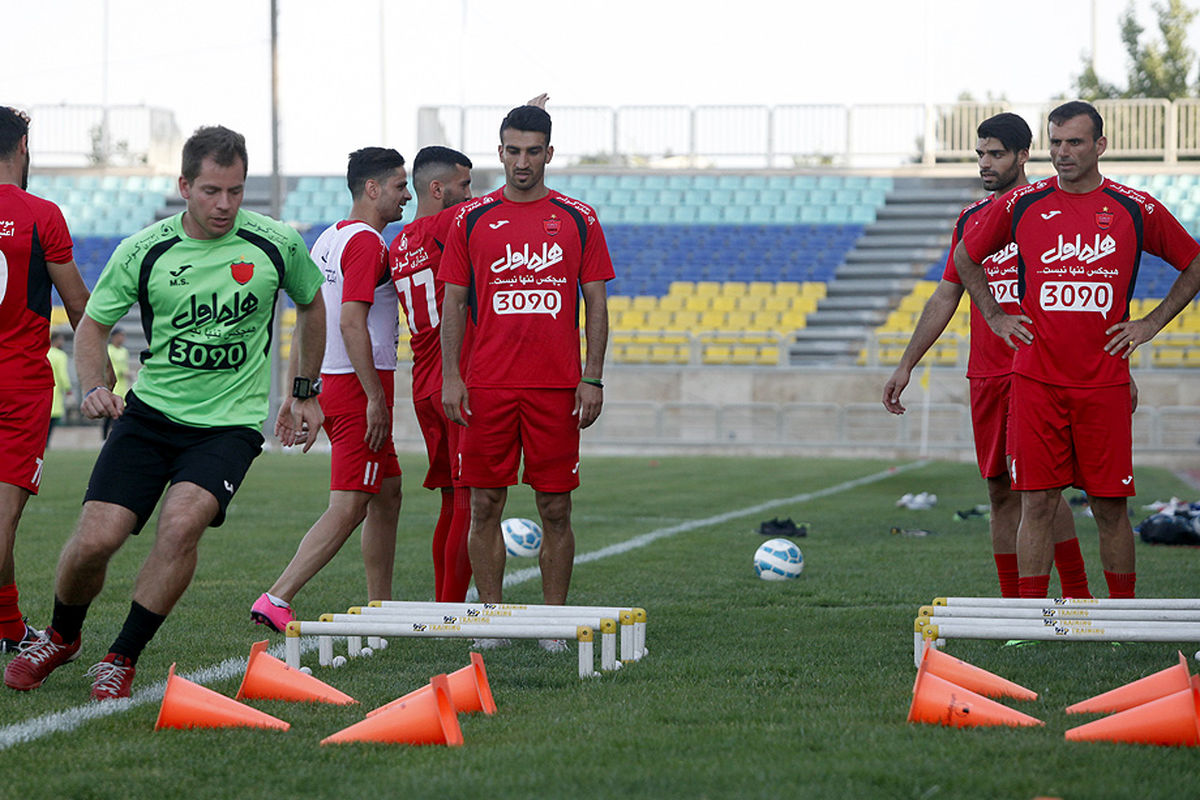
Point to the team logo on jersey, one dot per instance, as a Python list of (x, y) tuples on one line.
[(1104, 219), (552, 225), (8, 227), (242, 271)]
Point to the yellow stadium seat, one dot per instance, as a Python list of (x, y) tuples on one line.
[(777, 303), (631, 319), (635, 353), (815, 289), (743, 354), (749, 302), (658, 320), (792, 320), (724, 303), (788, 288), (619, 302), (58, 317), (645, 302), (685, 320), (671, 303), (805, 305), (682, 288), (733, 288), (708, 288), (697, 303), (712, 320), (765, 321), (716, 354), (768, 356), (288, 318), (761, 288), (739, 320)]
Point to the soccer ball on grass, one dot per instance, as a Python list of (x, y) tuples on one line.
[(778, 560), (522, 537)]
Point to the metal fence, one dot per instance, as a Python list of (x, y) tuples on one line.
[(800, 136)]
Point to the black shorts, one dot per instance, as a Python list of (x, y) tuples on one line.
[(146, 451)]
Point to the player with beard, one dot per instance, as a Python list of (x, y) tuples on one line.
[(1002, 149)]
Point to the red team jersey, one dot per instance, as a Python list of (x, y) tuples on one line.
[(523, 264), (1077, 267), (414, 258), (990, 356), (33, 234)]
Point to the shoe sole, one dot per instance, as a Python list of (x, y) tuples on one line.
[(262, 619)]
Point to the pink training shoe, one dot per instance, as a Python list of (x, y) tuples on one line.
[(264, 612)]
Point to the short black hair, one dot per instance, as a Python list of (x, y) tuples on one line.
[(527, 118), (436, 160), (1012, 131), (370, 163), (1073, 109), (14, 125), (216, 142)]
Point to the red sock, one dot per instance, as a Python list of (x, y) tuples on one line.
[(1071, 572), (12, 626), (458, 560), (1120, 584), (1006, 570), (440, 532), (1035, 585)]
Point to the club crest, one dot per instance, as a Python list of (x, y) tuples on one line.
[(242, 271)]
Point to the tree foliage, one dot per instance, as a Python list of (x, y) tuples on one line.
[(1158, 67)]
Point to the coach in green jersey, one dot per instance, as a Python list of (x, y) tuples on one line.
[(206, 283)]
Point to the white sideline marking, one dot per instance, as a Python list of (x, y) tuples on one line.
[(71, 718), (32, 729)]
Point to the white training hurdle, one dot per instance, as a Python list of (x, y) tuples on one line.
[(325, 629), (632, 620), (1056, 619)]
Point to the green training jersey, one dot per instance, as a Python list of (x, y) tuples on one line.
[(207, 307)]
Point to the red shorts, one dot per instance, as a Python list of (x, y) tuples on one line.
[(354, 466), (441, 440), (989, 421), (1064, 435), (504, 422), (24, 426)]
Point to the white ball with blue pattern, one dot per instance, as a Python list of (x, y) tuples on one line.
[(778, 560), (522, 537)]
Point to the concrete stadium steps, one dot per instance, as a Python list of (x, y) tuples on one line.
[(911, 232)]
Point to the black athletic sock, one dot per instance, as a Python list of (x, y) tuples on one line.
[(67, 620), (140, 626)]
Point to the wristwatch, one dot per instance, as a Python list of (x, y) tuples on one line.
[(305, 388)]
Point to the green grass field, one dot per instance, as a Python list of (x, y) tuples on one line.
[(751, 688)]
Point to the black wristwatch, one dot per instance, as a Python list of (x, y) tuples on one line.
[(305, 388)]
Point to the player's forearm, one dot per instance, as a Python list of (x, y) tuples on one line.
[(91, 353), (1182, 291), (595, 328), (454, 320), (935, 316), (357, 339), (71, 289), (310, 337), (975, 281)]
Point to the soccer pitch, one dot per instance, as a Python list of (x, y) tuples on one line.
[(751, 688)]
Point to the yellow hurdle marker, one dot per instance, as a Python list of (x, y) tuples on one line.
[(485, 626), (633, 624), (1061, 613), (324, 629), (1177, 603)]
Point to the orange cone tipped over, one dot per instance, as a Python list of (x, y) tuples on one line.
[(469, 690), (190, 705), (972, 677), (1173, 720), (427, 718), (937, 701), (1167, 681), (268, 678)]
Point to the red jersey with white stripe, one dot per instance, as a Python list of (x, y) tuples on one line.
[(353, 257), (414, 258), (524, 264), (33, 234), (1077, 266), (990, 357)]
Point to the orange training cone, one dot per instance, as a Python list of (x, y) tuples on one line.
[(1172, 720), (469, 690), (938, 701), (190, 705), (268, 678), (1167, 681), (428, 718), (972, 677)]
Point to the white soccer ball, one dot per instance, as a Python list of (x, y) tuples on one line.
[(522, 537), (338, 661), (778, 560)]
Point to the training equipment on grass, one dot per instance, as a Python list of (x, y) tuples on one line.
[(469, 690), (522, 537), (268, 678), (1056, 619), (1173, 720), (778, 560), (972, 677), (479, 620), (428, 717), (937, 701), (1168, 681), (190, 705)]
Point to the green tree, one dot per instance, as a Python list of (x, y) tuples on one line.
[(1158, 67)]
